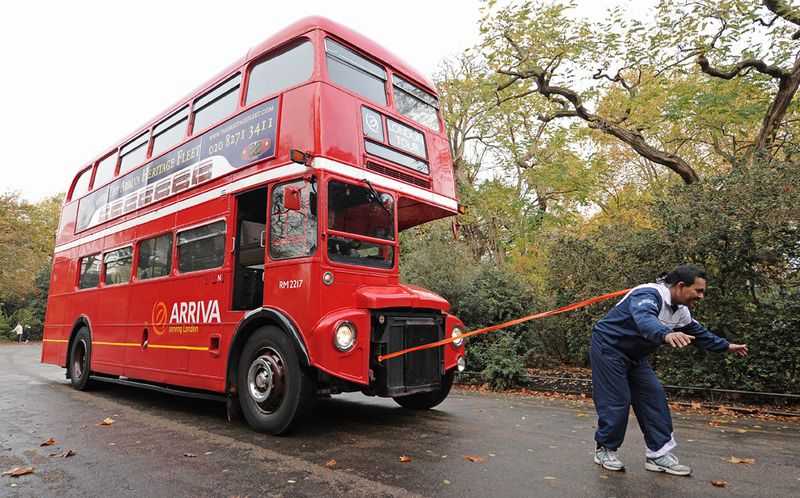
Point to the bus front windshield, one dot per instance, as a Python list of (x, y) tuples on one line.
[(361, 211)]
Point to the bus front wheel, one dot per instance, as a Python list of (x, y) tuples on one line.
[(276, 392), (80, 355), (424, 401)]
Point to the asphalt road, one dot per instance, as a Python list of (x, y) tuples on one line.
[(163, 445)]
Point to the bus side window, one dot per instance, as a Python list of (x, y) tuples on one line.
[(201, 248), (293, 234), (155, 257), (118, 266), (90, 272)]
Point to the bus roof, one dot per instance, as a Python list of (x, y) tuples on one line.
[(288, 33), (318, 22)]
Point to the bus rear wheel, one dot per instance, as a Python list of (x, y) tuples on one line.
[(425, 401), (276, 392), (80, 356)]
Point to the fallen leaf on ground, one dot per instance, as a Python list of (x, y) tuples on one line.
[(720, 484), (190, 455), (446, 481), (291, 481), (405, 458), (475, 458), (330, 463), (741, 431), (19, 471), (49, 442), (548, 478), (582, 415), (63, 454), (206, 453), (718, 422), (734, 459), (107, 421)]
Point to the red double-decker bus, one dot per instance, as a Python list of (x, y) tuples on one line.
[(244, 243)]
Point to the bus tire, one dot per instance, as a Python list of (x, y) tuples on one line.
[(80, 358), (425, 401), (276, 392)]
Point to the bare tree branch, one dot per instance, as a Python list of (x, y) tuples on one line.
[(758, 65)]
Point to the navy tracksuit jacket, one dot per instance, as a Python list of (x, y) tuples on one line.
[(621, 374)]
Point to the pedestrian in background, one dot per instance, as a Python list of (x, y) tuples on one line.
[(648, 316), (18, 330)]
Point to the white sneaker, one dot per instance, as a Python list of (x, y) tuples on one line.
[(667, 463), (608, 459)]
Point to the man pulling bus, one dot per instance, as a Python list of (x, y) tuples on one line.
[(648, 316)]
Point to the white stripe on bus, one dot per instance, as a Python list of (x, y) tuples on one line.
[(258, 178), (361, 174)]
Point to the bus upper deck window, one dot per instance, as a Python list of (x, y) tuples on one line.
[(217, 104), (415, 103), (133, 153), (170, 132), (355, 72), (280, 71), (105, 170), (82, 184)]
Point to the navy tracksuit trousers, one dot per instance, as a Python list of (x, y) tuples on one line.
[(619, 383)]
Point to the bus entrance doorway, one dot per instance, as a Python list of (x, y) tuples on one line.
[(251, 237)]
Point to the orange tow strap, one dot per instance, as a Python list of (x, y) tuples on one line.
[(506, 324)]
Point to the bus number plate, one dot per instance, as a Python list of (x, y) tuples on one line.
[(290, 284)]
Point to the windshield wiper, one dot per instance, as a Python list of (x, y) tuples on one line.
[(376, 196)]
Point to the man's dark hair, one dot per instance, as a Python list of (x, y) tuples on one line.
[(684, 273)]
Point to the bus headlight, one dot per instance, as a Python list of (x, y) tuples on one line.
[(457, 332), (345, 336)]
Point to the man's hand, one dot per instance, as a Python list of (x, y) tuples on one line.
[(738, 349), (678, 339)]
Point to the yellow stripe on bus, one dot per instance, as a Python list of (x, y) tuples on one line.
[(154, 346), (134, 344), (128, 344)]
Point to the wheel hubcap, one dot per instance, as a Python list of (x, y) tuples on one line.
[(266, 380), (79, 359)]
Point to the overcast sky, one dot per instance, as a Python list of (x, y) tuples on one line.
[(79, 76)]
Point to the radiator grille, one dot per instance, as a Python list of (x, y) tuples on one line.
[(412, 372)]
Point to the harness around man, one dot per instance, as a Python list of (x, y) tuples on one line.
[(648, 316)]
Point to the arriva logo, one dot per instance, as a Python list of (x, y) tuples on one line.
[(195, 312), (159, 317), (184, 313)]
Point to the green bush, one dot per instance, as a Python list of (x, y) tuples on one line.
[(503, 358)]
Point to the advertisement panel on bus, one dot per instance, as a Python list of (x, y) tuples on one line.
[(241, 140)]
